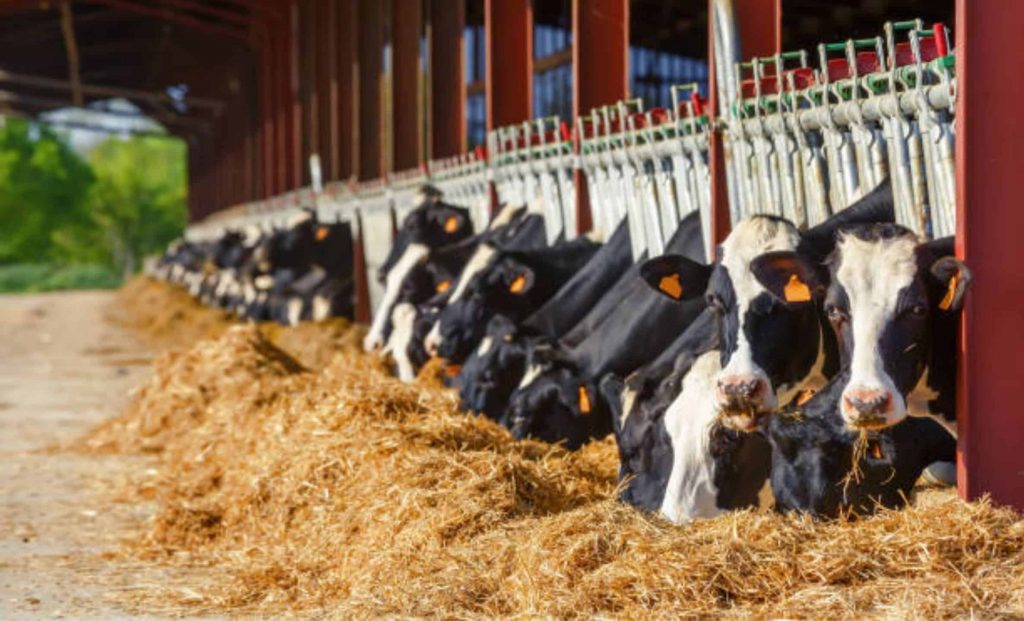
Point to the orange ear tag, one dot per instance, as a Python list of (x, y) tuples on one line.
[(452, 370), (797, 290), (876, 450), (321, 233), (518, 285), (443, 286), (947, 300), (804, 396), (670, 286), (451, 224), (584, 401)]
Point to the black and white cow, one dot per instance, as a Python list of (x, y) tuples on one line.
[(814, 456), (558, 400), (511, 282), (496, 365), (430, 225), (428, 285), (894, 304), (774, 343)]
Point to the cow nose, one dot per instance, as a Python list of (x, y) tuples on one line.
[(740, 388), (372, 344), (431, 345), (866, 407)]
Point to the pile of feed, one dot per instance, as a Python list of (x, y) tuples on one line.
[(338, 491)]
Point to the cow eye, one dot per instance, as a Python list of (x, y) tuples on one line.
[(715, 303), (836, 314), (919, 310)]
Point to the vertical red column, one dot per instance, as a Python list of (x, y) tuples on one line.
[(990, 129), (508, 29), (760, 33), (406, 24), (295, 102), (600, 55), (328, 79), (447, 127), (369, 136), (347, 89)]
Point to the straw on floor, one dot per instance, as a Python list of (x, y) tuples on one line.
[(330, 488)]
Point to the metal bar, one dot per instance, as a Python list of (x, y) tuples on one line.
[(508, 30), (989, 220), (347, 106), (105, 91), (297, 162)]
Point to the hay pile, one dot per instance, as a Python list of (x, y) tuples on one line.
[(343, 493)]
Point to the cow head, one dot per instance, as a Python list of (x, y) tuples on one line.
[(491, 372), (887, 296), (503, 286), (771, 340), (555, 404), (432, 224)]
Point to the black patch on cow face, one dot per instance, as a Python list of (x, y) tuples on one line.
[(432, 225), (488, 379), (503, 287), (784, 338), (548, 409)]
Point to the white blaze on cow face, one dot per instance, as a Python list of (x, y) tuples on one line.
[(321, 308), (873, 273), (532, 373), (751, 238), (481, 258), (294, 311), (413, 255), (485, 346), (403, 320), (504, 217), (691, 492)]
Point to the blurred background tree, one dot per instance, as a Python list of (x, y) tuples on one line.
[(72, 221)]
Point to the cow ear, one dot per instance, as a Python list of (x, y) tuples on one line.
[(676, 277), (954, 278), (520, 281), (788, 276)]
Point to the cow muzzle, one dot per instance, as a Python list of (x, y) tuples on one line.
[(372, 343), (743, 401), (432, 343), (866, 408)]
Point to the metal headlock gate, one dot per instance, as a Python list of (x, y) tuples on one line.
[(806, 142)]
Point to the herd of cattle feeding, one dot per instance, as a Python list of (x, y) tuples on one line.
[(817, 365)]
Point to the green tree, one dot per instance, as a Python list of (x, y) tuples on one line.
[(44, 189), (138, 201)]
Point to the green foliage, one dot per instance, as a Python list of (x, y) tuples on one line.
[(127, 200), (32, 277), (44, 187)]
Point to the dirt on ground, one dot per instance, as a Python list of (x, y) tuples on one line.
[(63, 369)]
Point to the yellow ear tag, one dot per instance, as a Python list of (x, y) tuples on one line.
[(804, 396), (518, 284), (443, 286), (451, 224), (671, 286), (584, 401), (321, 233), (797, 290), (947, 300)]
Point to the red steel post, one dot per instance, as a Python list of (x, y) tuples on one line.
[(990, 129), (406, 24), (370, 67), (600, 55), (447, 125)]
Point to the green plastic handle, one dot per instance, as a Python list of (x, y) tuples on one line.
[(862, 43), (910, 24)]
